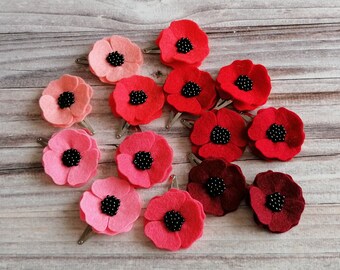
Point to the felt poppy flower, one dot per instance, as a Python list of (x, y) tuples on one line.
[(183, 43), (218, 185), (277, 201), (219, 134), (111, 206), (276, 134), (138, 100), (248, 85), (113, 58), (190, 90), (174, 220), (144, 159), (71, 157), (66, 101)]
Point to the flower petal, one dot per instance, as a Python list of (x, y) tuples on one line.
[(141, 141), (82, 99), (279, 150), (261, 123), (110, 186), (132, 53), (258, 204), (202, 128), (228, 152), (184, 104), (97, 58), (54, 167)]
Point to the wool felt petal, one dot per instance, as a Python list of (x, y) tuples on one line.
[(54, 167), (183, 104), (261, 122), (200, 135), (131, 51), (97, 58), (82, 95), (258, 201), (142, 141), (66, 82), (70, 138), (228, 152)]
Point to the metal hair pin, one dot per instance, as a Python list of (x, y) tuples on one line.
[(194, 160)]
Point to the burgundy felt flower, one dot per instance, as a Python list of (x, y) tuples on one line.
[(183, 43), (137, 99), (218, 185), (276, 134), (219, 134), (248, 85), (190, 90), (276, 200), (174, 220)]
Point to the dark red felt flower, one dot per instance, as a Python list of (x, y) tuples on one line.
[(183, 43), (137, 99), (276, 200), (218, 185), (276, 134), (190, 90), (248, 85), (220, 134)]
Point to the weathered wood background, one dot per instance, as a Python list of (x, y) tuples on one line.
[(297, 40)]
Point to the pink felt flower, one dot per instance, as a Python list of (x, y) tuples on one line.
[(71, 157), (66, 101), (144, 159), (174, 220), (111, 206), (114, 58)]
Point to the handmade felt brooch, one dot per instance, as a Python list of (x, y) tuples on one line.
[(71, 157), (276, 134), (114, 58), (144, 159), (277, 201)]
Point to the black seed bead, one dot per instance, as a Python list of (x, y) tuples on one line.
[(115, 59), (276, 133), (275, 201), (137, 97), (220, 135), (71, 157), (66, 99), (215, 186), (184, 45), (191, 89), (143, 160), (244, 83), (173, 220), (110, 205)]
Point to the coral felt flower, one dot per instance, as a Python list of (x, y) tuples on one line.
[(144, 159), (248, 85), (190, 90), (276, 200), (276, 133), (71, 157), (183, 43), (220, 134), (218, 185), (174, 220), (111, 206), (114, 58), (66, 101), (138, 100)]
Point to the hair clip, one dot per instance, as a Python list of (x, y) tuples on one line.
[(110, 207), (277, 201), (114, 58), (144, 159), (245, 85), (70, 157), (174, 220), (138, 100), (276, 134), (189, 90)]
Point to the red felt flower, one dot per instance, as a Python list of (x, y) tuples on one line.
[(218, 185), (276, 134), (183, 43), (190, 90), (276, 200), (174, 220), (248, 85), (137, 99), (220, 134)]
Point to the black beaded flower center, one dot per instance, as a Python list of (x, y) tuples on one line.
[(276, 133), (173, 220), (244, 83), (66, 99), (220, 135), (191, 89), (143, 160), (115, 59), (275, 201), (184, 45), (110, 205), (137, 97), (71, 157), (215, 186)]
